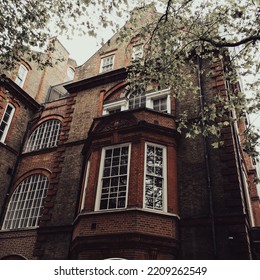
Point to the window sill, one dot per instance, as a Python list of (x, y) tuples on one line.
[(41, 151), (109, 211), (18, 230)]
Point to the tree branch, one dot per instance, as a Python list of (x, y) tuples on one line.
[(223, 44)]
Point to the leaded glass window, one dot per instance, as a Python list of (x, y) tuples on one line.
[(44, 136), (114, 180), (154, 177), (26, 203)]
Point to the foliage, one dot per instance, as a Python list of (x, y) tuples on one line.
[(184, 40), (27, 25), (179, 42)]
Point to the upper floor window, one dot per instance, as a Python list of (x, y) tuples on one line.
[(113, 179), (44, 136), (137, 52), (115, 106), (157, 100), (6, 121), (107, 63), (160, 105), (26, 203), (136, 100), (155, 177), (21, 75)]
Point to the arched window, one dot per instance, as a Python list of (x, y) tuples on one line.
[(26, 203), (13, 257), (136, 100), (44, 136)]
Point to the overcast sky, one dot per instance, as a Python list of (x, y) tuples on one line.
[(81, 48)]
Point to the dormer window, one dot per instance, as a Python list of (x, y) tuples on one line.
[(21, 75), (137, 52), (107, 63)]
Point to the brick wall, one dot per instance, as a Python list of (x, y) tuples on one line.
[(39, 80), (126, 234), (211, 204), (9, 150), (18, 243)]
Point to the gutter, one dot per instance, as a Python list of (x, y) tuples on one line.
[(97, 80)]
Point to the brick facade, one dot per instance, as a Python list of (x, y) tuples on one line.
[(211, 202)]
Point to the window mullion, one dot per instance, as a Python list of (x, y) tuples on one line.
[(44, 136), (33, 185)]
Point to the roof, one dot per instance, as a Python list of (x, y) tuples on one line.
[(19, 93)]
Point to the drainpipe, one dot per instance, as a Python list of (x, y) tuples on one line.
[(239, 165), (206, 157)]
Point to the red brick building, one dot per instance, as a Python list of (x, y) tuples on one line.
[(102, 172)]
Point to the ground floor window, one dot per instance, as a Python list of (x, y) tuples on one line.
[(26, 203)]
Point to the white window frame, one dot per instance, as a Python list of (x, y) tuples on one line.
[(21, 75), (83, 198), (26, 203), (150, 97), (122, 104), (103, 64), (138, 100), (101, 170), (137, 51), (164, 177), (155, 95), (44, 136), (7, 122)]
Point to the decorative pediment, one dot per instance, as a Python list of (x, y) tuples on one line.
[(115, 123)]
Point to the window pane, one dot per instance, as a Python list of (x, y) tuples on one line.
[(114, 180), (137, 100), (137, 52), (154, 177), (107, 63), (26, 203), (160, 105), (21, 75), (44, 136), (6, 121)]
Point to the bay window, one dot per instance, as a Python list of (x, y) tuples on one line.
[(155, 177), (113, 178)]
